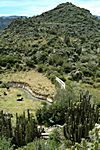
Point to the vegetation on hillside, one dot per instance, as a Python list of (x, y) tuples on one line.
[(62, 41)]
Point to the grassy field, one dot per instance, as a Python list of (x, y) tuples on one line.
[(37, 81), (9, 102), (94, 92)]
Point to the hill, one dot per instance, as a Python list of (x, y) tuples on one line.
[(62, 42), (98, 17), (6, 20)]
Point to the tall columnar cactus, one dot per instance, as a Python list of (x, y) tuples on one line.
[(5, 125), (80, 118), (24, 131), (92, 144)]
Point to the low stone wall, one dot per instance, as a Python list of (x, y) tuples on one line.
[(27, 87)]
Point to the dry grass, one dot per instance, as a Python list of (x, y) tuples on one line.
[(37, 81)]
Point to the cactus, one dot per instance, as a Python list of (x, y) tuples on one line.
[(80, 131), (93, 143), (24, 131), (5, 125), (80, 118)]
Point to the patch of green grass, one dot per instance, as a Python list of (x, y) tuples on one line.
[(78, 86), (9, 103), (95, 93)]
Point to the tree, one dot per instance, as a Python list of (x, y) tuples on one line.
[(54, 114)]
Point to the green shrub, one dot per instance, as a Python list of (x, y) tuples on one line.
[(5, 144), (55, 113), (40, 68), (41, 144)]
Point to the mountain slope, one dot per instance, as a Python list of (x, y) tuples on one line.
[(65, 14), (59, 42), (5, 21), (98, 17)]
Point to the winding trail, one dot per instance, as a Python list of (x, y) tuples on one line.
[(31, 94)]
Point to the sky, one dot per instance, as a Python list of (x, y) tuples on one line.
[(36, 7)]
